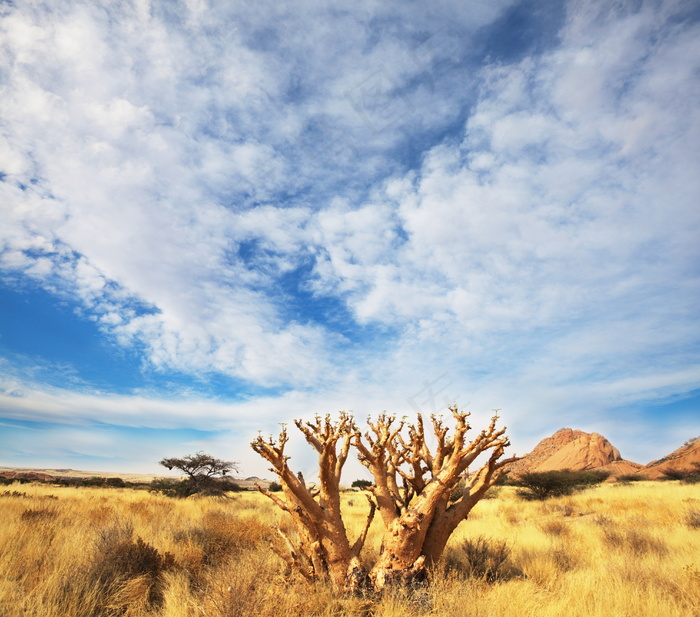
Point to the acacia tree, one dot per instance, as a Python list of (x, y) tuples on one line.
[(201, 470), (412, 488)]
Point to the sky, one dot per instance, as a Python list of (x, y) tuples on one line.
[(218, 217)]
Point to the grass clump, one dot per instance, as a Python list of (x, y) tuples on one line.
[(482, 559), (692, 519), (128, 571)]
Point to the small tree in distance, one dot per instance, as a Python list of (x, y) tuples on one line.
[(203, 471), (361, 484), (412, 487)]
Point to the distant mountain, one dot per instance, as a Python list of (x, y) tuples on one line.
[(685, 457), (575, 450)]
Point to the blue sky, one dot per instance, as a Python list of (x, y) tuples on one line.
[(217, 217)]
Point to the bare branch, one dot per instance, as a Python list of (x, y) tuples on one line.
[(360, 542)]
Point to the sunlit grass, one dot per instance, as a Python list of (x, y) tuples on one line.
[(606, 551)]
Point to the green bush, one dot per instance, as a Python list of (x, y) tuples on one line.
[(172, 488), (626, 478), (274, 487), (689, 476), (361, 484), (185, 487), (545, 484), (226, 485), (115, 482)]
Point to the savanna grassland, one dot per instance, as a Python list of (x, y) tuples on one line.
[(613, 550)]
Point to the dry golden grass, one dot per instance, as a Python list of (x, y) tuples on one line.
[(610, 551)]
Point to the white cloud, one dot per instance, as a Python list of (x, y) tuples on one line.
[(193, 160)]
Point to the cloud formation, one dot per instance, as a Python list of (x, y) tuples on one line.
[(335, 202)]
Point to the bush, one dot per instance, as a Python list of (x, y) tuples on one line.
[(274, 487), (486, 559), (185, 487), (689, 476), (626, 478), (115, 483), (361, 484), (545, 484), (171, 487), (226, 486), (94, 481), (674, 474), (591, 476), (458, 490), (693, 519), (125, 571)]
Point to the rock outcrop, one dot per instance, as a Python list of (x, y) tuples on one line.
[(684, 458), (575, 450)]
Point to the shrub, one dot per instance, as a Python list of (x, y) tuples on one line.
[(115, 483), (275, 487), (94, 481), (171, 487), (458, 490), (626, 478), (486, 559), (125, 571), (225, 485), (673, 474), (693, 519), (545, 484), (689, 476), (506, 480), (590, 477), (361, 484), (185, 487)]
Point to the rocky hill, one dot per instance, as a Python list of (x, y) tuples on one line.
[(685, 457), (575, 450), (29, 476)]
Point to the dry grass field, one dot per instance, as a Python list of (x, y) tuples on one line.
[(610, 551)]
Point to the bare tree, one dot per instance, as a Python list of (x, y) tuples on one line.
[(412, 488)]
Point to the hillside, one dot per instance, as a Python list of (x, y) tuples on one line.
[(685, 457), (575, 450)]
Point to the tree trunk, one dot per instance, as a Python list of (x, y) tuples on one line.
[(401, 558), (411, 492)]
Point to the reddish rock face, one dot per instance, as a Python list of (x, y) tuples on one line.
[(685, 457), (575, 450)]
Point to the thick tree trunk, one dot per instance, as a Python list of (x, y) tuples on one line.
[(411, 493)]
